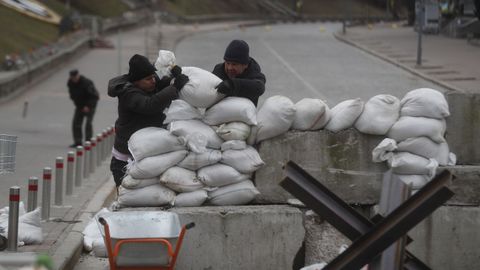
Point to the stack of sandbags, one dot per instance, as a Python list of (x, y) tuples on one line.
[(416, 145), (311, 114)]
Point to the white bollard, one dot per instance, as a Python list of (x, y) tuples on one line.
[(79, 167), (69, 175), (13, 215), (59, 181), (86, 162), (46, 189), (32, 193), (99, 149), (93, 155)]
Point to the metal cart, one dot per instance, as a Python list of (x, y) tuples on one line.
[(8, 145), (142, 239)]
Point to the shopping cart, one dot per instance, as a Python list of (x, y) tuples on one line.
[(142, 240), (8, 145)]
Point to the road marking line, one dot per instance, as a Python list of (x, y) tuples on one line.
[(310, 87)]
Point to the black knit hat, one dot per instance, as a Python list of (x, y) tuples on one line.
[(73, 72), (139, 68), (237, 51)]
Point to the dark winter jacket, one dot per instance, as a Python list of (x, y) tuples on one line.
[(83, 93), (250, 84), (138, 109)]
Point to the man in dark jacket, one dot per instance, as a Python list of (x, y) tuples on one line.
[(85, 97), (142, 98), (241, 74)]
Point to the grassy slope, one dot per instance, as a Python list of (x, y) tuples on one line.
[(103, 8), (25, 33)]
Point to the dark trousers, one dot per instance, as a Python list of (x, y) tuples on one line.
[(77, 124), (118, 169)]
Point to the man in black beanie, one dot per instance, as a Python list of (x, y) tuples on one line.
[(241, 74), (85, 96), (142, 98)]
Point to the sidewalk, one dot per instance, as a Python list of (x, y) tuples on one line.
[(452, 63)]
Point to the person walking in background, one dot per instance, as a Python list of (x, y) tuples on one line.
[(241, 74), (85, 97), (142, 98)]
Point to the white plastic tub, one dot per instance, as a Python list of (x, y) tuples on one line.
[(142, 224)]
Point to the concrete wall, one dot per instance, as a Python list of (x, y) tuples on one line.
[(241, 237), (463, 126), (342, 161)]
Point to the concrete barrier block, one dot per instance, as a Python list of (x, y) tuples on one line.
[(463, 126), (240, 237), (448, 239), (466, 185), (322, 240), (342, 161)]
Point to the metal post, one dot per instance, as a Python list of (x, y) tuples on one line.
[(46, 189), (421, 18), (32, 193), (93, 155), (86, 163), (59, 181), (105, 143), (99, 149), (79, 167), (69, 175), (13, 216)]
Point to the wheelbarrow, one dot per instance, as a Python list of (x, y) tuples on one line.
[(142, 239)]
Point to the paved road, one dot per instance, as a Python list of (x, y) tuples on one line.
[(305, 60)]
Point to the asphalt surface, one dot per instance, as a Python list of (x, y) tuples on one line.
[(299, 60)]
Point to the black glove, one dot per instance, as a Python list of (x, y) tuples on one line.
[(226, 88), (164, 82), (180, 81), (176, 70)]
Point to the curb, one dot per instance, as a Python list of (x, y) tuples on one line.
[(67, 254), (449, 87)]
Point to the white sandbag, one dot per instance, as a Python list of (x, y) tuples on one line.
[(181, 110), (153, 141), (196, 142), (344, 114), (29, 228), (98, 248), (411, 127), (232, 109), (154, 195), (234, 131), (218, 175), (235, 194), (194, 161), (191, 199), (452, 159), (92, 232), (132, 183), (406, 163), (275, 117), (164, 63), (378, 115), (426, 148), (384, 150), (316, 266), (180, 179), (417, 181), (151, 167), (424, 102), (233, 145), (200, 90), (245, 161), (185, 127), (311, 114)]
